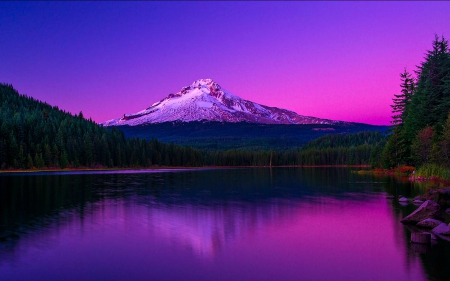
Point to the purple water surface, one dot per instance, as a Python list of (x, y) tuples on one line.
[(285, 224)]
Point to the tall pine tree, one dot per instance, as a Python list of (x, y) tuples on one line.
[(396, 150), (430, 103), (402, 100)]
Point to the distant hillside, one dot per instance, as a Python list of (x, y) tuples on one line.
[(363, 148), (34, 134), (242, 135), (343, 149), (346, 140)]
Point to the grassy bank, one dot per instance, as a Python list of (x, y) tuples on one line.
[(432, 172)]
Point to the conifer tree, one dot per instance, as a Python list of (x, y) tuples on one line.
[(430, 103), (402, 100), (30, 164)]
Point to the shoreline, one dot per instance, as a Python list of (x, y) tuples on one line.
[(406, 174), (18, 171)]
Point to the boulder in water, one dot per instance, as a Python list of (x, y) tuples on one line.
[(442, 229), (429, 223), (429, 209)]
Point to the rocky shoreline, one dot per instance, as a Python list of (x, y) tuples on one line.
[(429, 216)]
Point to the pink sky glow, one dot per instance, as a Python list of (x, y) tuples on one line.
[(335, 60)]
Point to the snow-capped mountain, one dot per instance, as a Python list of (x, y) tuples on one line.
[(206, 100)]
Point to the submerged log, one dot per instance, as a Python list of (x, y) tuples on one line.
[(421, 237), (420, 248)]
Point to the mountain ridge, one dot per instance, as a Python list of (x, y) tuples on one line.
[(206, 100)]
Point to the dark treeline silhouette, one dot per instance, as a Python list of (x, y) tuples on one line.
[(421, 135), (34, 134), (347, 149), (37, 135), (213, 135)]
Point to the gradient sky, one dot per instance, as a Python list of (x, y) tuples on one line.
[(336, 60)]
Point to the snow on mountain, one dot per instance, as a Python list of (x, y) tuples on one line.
[(206, 100)]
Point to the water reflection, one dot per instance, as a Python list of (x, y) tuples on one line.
[(321, 218), (209, 229), (36, 198), (434, 258)]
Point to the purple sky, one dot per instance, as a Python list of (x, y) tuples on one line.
[(336, 60)]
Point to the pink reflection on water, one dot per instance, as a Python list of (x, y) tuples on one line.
[(330, 241), (320, 238)]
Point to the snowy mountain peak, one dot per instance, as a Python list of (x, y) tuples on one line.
[(207, 84), (204, 83), (204, 99)]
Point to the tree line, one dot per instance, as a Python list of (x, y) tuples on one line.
[(421, 133), (34, 134)]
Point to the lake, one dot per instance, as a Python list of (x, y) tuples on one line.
[(211, 224)]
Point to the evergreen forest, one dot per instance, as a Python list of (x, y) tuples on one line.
[(35, 135), (421, 133), (213, 135)]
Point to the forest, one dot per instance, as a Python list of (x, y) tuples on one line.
[(35, 135), (343, 149), (213, 135), (421, 133)]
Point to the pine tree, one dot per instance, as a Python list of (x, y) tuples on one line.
[(63, 162), (30, 164), (397, 149), (430, 103), (402, 100)]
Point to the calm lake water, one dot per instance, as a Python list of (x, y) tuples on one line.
[(211, 224)]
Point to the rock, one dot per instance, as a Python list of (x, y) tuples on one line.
[(441, 229), (429, 223), (403, 199), (441, 195), (429, 209), (413, 228), (433, 237)]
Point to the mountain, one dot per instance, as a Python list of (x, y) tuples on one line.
[(207, 100)]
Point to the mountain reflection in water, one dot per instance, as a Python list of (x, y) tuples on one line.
[(230, 224)]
